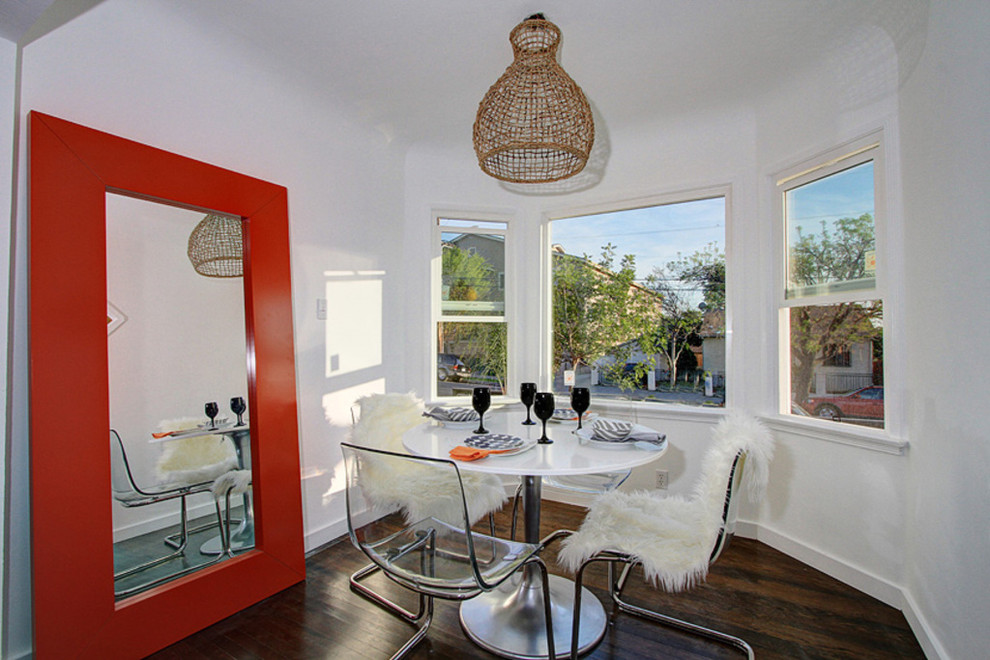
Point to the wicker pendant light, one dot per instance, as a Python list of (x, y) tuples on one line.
[(216, 248), (534, 124)]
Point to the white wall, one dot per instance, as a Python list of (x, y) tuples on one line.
[(139, 70), (945, 115), (8, 67)]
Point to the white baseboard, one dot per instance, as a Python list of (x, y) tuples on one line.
[(922, 631), (868, 583), (318, 538)]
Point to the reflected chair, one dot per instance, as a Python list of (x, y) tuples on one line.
[(126, 491), (234, 482), (433, 556), (674, 539), (192, 461), (379, 422)]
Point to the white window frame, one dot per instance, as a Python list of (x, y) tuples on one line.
[(436, 277), (647, 408), (870, 147)]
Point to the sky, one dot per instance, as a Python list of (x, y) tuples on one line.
[(846, 194), (656, 235)]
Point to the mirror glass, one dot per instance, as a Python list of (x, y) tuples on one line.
[(175, 344)]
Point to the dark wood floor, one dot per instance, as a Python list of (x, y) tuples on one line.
[(783, 608)]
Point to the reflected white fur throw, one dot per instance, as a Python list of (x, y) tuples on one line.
[(419, 492), (673, 536), (235, 481), (193, 460)]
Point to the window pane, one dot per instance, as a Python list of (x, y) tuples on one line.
[(473, 274), (469, 355), (830, 234), (844, 384), (639, 303)]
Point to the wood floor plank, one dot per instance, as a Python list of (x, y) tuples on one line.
[(783, 608)]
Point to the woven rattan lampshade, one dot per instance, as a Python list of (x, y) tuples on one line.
[(216, 248), (534, 124)]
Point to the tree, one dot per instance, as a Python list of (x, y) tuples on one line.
[(837, 254), (468, 276), (488, 348), (680, 325), (705, 269), (599, 310)]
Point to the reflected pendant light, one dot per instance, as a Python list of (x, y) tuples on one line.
[(534, 125), (216, 248)]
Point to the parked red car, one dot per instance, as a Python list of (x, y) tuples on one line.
[(864, 403)]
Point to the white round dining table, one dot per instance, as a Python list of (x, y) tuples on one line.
[(508, 620)]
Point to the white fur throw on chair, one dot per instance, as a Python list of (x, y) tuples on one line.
[(673, 536), (193, 460), (384, 418)]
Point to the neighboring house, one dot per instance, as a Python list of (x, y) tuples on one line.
[(712, 357), (843, 369)]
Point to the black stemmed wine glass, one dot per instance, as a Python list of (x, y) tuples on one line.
[(527, 392), (580, 401), (211, 410), (543, 407), (237, 406), (481, 399)]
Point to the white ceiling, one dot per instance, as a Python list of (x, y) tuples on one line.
[(416, 69)]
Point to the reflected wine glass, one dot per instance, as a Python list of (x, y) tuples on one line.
[(211, 410), (580, 401), (527, 392), (481, 399), (237, 406), (543, 407)]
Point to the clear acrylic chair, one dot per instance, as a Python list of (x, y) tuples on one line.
[(379, 420), (436, 556), (126, 491), (622, 528)]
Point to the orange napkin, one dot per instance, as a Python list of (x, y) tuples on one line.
[(462, 453)]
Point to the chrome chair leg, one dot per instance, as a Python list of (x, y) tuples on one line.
[(615, 587), (359, 588), (515, 510), (175, 574), (175, 540)]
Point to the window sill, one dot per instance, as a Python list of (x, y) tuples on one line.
[(674, 411), (844, 434)]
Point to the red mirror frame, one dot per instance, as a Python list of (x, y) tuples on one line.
[(75, 614)]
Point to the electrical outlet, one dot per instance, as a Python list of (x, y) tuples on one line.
[(662, 479)]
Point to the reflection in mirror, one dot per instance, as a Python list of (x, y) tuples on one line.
[(176, 344)]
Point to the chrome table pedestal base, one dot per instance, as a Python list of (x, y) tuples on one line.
[(509, 620)]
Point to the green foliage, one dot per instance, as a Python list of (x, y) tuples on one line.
[(706, 269), (599, 310), (485, 348), (469, 276), (833, 255)]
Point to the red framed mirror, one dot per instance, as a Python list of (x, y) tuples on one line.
[(75, 613)]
